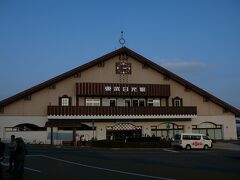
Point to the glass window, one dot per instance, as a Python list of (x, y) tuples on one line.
[(65, 102), (187, 137), (156, 102), (150, 102), (218, 134), (92, 102), (135, 102), (127, 102), (141, 102), (195, 137), (177, 102), (112, 102)]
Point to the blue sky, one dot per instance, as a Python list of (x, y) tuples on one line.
[(198, 40)]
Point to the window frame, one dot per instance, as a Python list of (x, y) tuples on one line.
[(65, 97), (92, 102)]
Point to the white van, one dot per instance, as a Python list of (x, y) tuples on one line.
[(192, 141)]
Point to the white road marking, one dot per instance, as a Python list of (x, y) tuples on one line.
[(35, 170), (170, 150), (106, 169)]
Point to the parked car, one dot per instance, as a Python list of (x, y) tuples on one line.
[(192, 141)]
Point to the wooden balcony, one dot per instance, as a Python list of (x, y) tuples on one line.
[(118, 111)]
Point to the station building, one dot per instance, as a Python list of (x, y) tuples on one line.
[(119, 94)]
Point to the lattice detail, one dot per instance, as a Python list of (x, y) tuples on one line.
[(123, 127)]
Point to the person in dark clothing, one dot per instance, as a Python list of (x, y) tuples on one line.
[(2, 150), (12, 148), (18, 170)]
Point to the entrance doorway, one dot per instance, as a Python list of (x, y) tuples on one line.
[(121, 131)]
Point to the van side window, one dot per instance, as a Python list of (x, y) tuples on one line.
[(186, 137), (206, 138), (195, 137)]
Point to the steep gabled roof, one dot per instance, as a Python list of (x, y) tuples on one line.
[(134, 55)]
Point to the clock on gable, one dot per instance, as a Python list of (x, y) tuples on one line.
[(123, 68)]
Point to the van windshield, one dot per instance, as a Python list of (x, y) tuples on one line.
[(177, 136)]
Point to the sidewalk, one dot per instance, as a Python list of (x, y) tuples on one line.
[(226, 146)]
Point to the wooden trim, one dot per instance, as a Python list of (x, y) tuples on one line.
[(118, 111), (60, 101), (77, 100)]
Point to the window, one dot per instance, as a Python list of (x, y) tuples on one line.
[(153, 102), (150, 102), (112, 102), (127, 102), (135, 102), (195, 137), (177, 102), (186, 137), (141, 102), (156, 102), (65, 101), (93, 102)]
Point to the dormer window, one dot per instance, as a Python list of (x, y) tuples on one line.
[(65, 101), (177, 102)]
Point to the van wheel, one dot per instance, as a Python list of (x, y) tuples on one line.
[(188, 147), (205, 147)]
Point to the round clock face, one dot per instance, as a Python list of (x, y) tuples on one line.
[(123, 68)]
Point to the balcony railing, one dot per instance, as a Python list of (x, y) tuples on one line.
[(118, 111)]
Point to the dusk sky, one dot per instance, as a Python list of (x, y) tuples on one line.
[(198, 40)]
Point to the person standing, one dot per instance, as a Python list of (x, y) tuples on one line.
[(21, 152), (12, 149), (2, 150)]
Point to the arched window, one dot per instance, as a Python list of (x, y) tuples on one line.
[(166, 129), (214, 131)]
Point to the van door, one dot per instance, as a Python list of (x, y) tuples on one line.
[(197, 141)]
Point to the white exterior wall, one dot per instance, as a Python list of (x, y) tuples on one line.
[(33, 137), (228, 123), (11, 121)]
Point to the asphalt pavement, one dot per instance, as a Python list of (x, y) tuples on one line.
[(49, 163)]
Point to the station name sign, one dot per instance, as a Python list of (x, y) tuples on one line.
[(119, 89), (125, 89)]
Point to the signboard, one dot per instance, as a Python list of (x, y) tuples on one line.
[(119, 89)]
